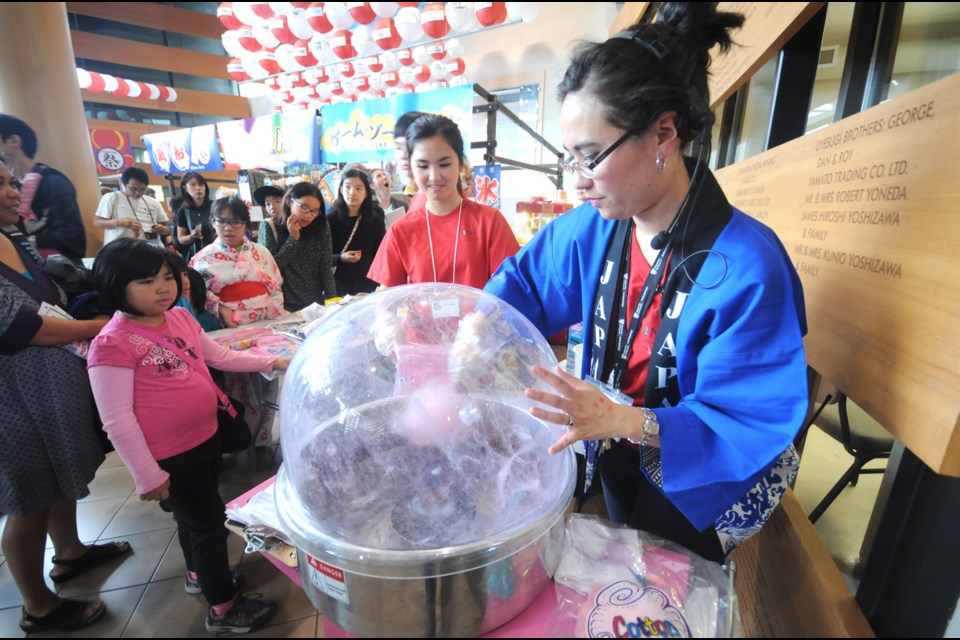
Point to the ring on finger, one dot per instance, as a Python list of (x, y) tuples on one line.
[(569, 421)]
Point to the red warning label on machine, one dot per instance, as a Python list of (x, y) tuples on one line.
[(328, 578)]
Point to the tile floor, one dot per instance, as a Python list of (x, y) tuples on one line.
[(144, 593)]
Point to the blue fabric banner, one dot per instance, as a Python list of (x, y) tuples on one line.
[(184, 150)]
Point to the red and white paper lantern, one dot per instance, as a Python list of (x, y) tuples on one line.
[(436, 50), (433, 21), (362, 12), (281, 31), (338, 15), (341, 43), (317, 18), (298, 25), (264, 35), (456, 67), (302, 54), (461, 16), (226, 17), (407, 21), (385, 34), (373, 64), (490, 13), (385, 9), (405, 57), (236, 70)]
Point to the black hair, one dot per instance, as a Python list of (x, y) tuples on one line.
[(198, 290), (134, 173), (187, 198), (175, 202), (431, 125), (340, 209), (404, 122), (235, 205), (125, 260), (295, 192), (13, 126), (647, 70)]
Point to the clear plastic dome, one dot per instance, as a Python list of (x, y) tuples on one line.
[(405, 426)]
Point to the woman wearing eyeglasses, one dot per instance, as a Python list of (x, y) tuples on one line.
[(300, 242), (692, 312), (242, 278)]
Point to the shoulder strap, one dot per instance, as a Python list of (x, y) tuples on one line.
[(200, 370)]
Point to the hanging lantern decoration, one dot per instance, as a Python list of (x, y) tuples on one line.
[(252, 66), (438, 70), (407, 21), (405, 57), (389, 61), (361, 84), (433, 21), (376, 81), (243, 11), (341, 43), (268, 61), (110, 83), (281, 31), (346, 69), (460, 16), (453, 47), (320, 49), (123, 88), (298, 25), (248, 41), (385, 9), (456, 67), (391, 78), (373, 64), (336, 88), (297, 79), (273, 83), (262, 10), (363, 41), (317, 18), (281, 8), (133, 90), (284, 56), (436, 50), (316, 76), (96, 82), (385, 34), (302, 54), (490, 13), (226, 17), (362, 12), (338, 15), (84, 79), (236, 71), (420, 55), (264, 35), (415, 74), (522, 11)]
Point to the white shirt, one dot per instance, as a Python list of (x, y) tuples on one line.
[(145, 210)]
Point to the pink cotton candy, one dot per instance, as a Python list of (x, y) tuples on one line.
[(432, 416)]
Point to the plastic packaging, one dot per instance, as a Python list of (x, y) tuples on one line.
[(613, 581)]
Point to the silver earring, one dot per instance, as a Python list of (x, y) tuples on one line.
[(661, 164)]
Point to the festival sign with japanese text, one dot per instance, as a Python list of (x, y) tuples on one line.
[(184, 150), (486, 185), (112, 151), (363, 131), (272, 141)]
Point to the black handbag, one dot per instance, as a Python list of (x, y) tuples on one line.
[(234, 433)]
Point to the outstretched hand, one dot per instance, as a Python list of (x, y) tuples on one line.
[(587, 413)]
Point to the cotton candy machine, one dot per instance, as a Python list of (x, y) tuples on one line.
[(416, 485)]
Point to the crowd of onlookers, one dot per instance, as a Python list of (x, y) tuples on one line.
[(161, 281)]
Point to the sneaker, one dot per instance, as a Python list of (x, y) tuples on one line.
[(245, 615), (193, 586)]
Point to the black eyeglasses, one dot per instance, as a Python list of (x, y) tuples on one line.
[(312, 213), (586, 169), (220, 222)]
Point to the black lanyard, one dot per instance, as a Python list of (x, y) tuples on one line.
[(651, 287)]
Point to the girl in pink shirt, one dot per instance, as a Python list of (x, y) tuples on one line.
[(148, 353)]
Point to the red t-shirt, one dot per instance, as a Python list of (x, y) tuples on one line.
[(635, 377), (485, 240)]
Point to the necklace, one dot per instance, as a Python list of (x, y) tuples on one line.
[(456, 243)]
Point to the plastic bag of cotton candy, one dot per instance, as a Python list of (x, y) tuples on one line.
[(407, 425), (613, 581)]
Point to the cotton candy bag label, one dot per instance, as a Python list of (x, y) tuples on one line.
[(625, 609)]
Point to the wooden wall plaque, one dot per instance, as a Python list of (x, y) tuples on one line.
[(768, 26), (867, 209)]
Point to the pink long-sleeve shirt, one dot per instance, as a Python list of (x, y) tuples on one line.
[(153, 404)]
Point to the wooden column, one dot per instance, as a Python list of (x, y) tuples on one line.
[(38, 84)]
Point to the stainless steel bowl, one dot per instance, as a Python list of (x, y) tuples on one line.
[(464, 590)]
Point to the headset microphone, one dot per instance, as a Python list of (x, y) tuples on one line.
[(659, 241)]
